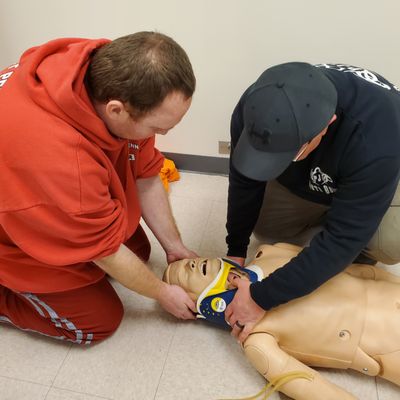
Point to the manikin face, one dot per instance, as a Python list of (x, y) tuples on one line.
[(194, 275)]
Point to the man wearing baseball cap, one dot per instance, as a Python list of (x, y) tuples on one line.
[(313, 145)]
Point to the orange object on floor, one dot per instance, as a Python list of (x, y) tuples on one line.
[(169, 173)]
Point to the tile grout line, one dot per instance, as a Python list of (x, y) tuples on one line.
[(376, 388), (58, 371), (84, 393), (206, 224), (48, 391), (165, 361), (24, 380), (30, 382)]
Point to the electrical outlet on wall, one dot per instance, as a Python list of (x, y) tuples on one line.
[(224, 147)]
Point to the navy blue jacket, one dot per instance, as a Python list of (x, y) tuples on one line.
[(355, 171)]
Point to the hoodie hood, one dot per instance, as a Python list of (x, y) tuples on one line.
[(53, 76)]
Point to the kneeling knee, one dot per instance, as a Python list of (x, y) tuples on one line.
[(108, 320)]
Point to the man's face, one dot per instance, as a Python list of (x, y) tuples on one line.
[(121, 123), (193, 275)]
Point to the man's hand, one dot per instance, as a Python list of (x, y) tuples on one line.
[(179, 253), (237, 260), (176, 301), (243, 313)]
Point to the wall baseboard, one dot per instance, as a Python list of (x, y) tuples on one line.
[(201, 164)]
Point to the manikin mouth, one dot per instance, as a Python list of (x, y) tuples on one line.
[(203, 267)]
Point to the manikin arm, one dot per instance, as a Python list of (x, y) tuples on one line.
[(370, 272), (264, 353)]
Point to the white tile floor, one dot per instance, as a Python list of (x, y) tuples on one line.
[(152, 356)]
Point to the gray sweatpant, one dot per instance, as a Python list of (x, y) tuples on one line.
[(285, 216)]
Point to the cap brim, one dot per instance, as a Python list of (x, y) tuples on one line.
[(259, 165)]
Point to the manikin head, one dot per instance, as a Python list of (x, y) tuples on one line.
[(208, 282), (195, 274)]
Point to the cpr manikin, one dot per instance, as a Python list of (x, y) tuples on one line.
[(351, 321)]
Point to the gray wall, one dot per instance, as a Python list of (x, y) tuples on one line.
[(230, 43)]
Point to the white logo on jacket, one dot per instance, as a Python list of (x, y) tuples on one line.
[(133, 146), (4, 77), (362, 73), (319, 181)]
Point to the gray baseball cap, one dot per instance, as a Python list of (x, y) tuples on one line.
[(286, 107)]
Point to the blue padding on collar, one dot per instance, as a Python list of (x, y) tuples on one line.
[(212, 308)]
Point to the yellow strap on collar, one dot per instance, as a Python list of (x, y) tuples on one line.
[(220, 285), (276, 382)]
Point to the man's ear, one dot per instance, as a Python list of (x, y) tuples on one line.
[(333, 119), (115, 110)]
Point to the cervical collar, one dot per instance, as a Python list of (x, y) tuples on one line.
[(214, 299)]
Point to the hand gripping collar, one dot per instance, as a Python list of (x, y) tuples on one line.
[(214, 299)]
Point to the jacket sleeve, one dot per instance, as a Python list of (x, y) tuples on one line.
[(357, 208), (245, 197)]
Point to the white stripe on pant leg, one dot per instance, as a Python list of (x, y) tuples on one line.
[(38, 309), (89, 338), (72, 327), (57, 321), (7, 320), (36, 302)]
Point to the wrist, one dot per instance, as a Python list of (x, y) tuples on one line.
[(174, 246), (160, 290), (237, 260)]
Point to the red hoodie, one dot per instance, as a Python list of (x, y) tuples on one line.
[(68, 190)]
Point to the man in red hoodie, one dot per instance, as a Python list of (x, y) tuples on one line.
[(78, 120)]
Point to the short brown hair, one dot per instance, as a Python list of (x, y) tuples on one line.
[(140, 69)]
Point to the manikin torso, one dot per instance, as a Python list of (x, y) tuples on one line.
[(351, 321), (339, 323)]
